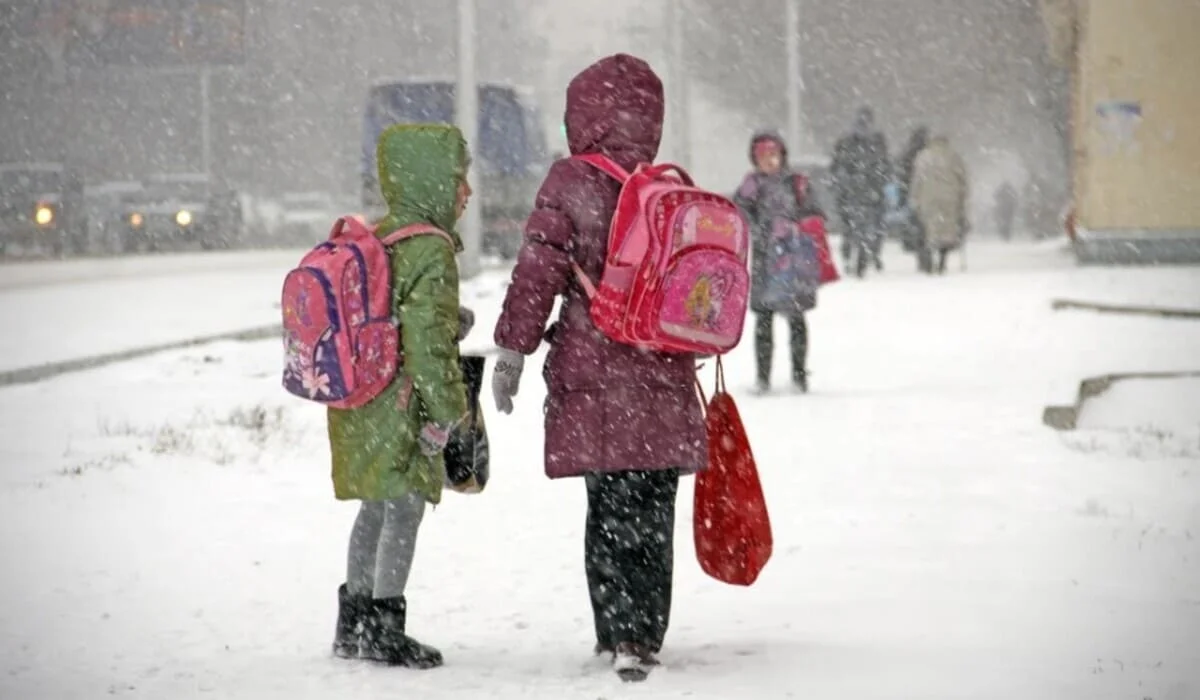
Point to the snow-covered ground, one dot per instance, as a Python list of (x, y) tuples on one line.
[(170, 530), (69, 310), (1144, 417), (1171, 403), (81, 308)]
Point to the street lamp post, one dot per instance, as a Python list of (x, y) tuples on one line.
[(678, 103), (467, 117), (795, 75)]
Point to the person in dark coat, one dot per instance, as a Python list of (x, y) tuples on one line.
[(770, 194), (1006, 209), (861, 167), (916, 143), (628, 421)]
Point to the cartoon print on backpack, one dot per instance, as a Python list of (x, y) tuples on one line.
[(700, 303), (705, 301)]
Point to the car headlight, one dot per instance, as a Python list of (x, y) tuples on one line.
[(136, 220), (184, 218), (43, 215)]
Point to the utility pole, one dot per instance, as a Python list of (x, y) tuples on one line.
[(205, 121), (678, 103), (467, 117), (795, 77)]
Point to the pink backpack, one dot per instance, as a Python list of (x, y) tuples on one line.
[(341, 342), (675, 277)]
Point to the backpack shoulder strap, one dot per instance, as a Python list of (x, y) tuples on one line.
[(416, 230), (349, 226), (616, 172), (589, 287), (605, 164)]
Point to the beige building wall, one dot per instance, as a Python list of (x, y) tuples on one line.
[(1137, 115)]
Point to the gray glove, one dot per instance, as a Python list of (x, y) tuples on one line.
[(466, 321), (506, 379)]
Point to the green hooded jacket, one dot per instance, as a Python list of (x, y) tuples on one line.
[(375, 451)]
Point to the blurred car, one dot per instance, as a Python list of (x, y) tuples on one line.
[(108, 205), (306, 217), (41, 207), (174, 210)]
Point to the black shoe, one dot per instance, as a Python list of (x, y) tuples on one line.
[(348, 634), (800, 379), (384, 637)]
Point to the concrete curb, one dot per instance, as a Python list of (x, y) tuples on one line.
[(1067, 417), (28, 375), (1060, 304)]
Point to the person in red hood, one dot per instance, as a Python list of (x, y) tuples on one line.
[(626, 420)]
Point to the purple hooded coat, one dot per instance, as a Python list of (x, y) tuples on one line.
[(610, 407)]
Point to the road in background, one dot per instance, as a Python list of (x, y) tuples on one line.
[(67, 311)]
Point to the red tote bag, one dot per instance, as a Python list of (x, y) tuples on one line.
[(814, 226), (730, 524)]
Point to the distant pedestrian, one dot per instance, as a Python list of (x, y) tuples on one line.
[(776, 199), (861, 168), (939, 197), (1006, 209)]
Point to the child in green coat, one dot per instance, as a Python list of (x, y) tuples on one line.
[(388, 453)]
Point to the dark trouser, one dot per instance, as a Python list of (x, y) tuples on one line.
[(1004, 224), (629, 554), (764, 345), (862, 242), (928, 256), (925, 259)]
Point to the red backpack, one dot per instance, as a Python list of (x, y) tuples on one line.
[(675, 275), (341, 342)]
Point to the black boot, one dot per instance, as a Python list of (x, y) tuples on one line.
[(347, 637), (764, 348), (633, 662), (799, 346), (385, 639)]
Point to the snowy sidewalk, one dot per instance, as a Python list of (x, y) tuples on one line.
[(170, 529), (71, 310), (65, 311)]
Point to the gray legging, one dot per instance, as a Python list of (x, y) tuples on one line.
[(382, 546)]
